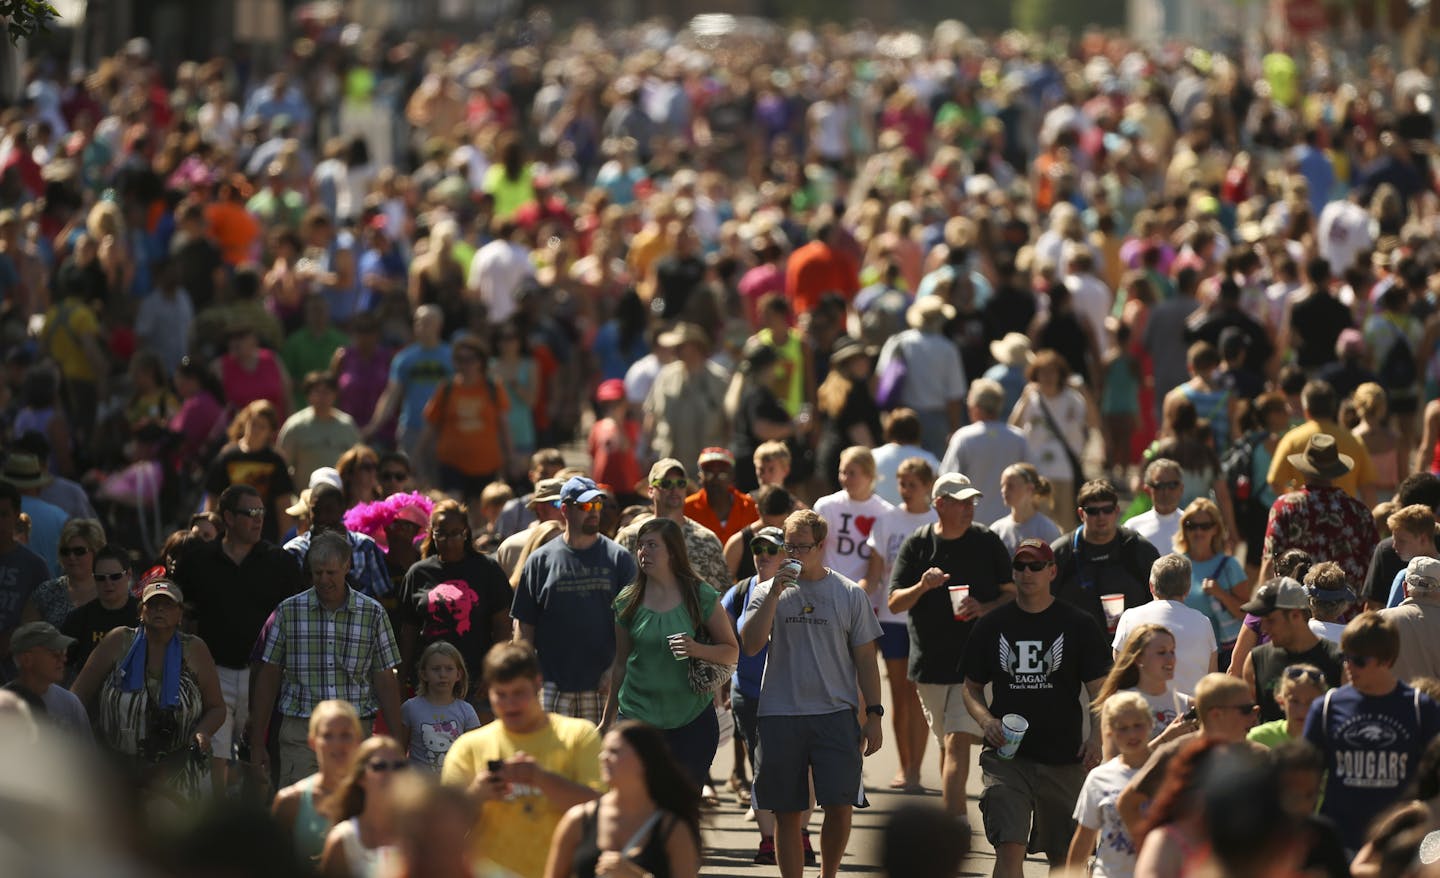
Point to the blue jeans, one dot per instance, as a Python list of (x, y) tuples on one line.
[(693, 745)]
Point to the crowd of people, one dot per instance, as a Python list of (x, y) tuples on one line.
[(451, 445)]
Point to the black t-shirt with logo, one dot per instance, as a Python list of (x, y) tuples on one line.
[(457, 603), (90, 622), (978, 559), (1038, 664)]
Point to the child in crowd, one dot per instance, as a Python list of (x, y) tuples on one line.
[(439, 713)]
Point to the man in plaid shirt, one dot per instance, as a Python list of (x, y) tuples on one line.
[(327, 642)]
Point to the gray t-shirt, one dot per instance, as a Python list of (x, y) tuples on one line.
[(1036, 527), (809, 670), (433, 729), (67, 711)]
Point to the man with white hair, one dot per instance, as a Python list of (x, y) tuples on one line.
[(1165, 484), (1194, 635), (984, 447), (1418, 621)]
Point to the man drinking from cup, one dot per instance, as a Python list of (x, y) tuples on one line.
[(1036, 653), (948, 575)]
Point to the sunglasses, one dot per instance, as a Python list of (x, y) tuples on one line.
[(588, 505), (1166, 486), (1293, 673), (763, 547), (1248, 707), (394, 475), (1199, 525), (1100, 510), (381, 766), (109, 577), (668, 484), (74, 551), (453, 535), (251, 512), (1358, 661), (1032, 566)]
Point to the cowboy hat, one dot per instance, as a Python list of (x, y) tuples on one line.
[(928, 311), (1012, 350), (1322, 459), (683, 333), (25, 471)]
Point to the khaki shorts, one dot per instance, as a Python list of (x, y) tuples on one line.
[(297, 760), (235, 692), (944, 707), (1030, 803)]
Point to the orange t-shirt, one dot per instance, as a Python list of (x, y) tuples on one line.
[(467, 421), (742, 512), (234, 229), (815, 270)]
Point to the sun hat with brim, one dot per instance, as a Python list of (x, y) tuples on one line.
[(162, 588), (770, 535), (683, 333), (25, 471), (928, 311), (1322, 458), (546, 491), (1277, 594), (848, 349), (38, 634), (1012, 350), (956, 486)]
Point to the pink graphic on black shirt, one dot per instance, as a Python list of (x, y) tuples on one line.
[(450, 604)]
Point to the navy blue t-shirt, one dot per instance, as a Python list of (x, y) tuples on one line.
[(567, 596), (750, 670), (1372, 745)]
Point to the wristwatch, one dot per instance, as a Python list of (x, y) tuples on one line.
[(874, 710)]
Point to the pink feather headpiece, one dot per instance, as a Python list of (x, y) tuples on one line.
[(372, 519)]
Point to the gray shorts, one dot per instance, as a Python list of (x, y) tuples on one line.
[(1017, 790), (792, 748)]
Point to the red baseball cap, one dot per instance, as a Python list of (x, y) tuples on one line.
[(1034, 550)]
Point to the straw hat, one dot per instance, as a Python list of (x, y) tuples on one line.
[(1012, 350)]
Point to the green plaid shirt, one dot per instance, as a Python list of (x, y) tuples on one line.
[(325, 654)]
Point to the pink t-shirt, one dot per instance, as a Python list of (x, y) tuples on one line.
[(244, 386)]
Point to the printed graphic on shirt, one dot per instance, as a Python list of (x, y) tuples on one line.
[(1029, 663), (437, 738), (1364, 758), (449, 605), (255, 473)]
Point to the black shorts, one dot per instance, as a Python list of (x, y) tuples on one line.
[(792, 748)]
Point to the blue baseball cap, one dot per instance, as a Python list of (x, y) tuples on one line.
[(579, 489)]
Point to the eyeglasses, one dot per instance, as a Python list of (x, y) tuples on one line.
[(451, 535), (381, 766), (1294, 673), (1199, 525), (798, 548), (1358, 661), (250, 511), (1032, 566), (763, 547), (587, 506), (394, 475), (1100, 510), (1167, 486), (1247, 707), (668, 484), (109, 577), (74, 551)]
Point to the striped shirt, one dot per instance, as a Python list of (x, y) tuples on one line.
[(327, 654)]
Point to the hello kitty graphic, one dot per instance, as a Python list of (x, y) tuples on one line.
[(437, 738), (449, 605)]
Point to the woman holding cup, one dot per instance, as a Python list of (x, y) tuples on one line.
[(656, 620)]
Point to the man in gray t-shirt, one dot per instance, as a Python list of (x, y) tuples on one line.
[(822, 637)]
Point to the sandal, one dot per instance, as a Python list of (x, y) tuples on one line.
[(743, 796), (709, 797)]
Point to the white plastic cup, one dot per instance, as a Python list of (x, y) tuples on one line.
[(1013, 726), (958, 594), (674, 641), (1114, 605)]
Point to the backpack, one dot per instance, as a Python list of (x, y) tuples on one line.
[(1237, 467), (1398, 371)]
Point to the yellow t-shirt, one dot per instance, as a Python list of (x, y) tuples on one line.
[(1284, 477), (515, 833), (66, 327)]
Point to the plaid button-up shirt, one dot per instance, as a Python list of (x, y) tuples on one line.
[(329, 654)]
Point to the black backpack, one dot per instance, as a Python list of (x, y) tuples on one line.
[(1237, 467), (1398, 371)]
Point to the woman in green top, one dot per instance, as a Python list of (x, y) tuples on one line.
[(650, 679), (1298, 689)]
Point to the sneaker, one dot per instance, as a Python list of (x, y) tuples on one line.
[(810, 858), (766, 855)]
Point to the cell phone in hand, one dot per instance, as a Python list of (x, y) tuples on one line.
[(496, 765), (1190, 715)]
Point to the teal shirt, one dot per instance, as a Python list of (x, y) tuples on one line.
[(1227, 572), (656, 688)]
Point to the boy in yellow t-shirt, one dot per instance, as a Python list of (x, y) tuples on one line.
[(524, 769)]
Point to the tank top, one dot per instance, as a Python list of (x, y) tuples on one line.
[(311, 826), (792, 362), (651, 857), (362, 862)]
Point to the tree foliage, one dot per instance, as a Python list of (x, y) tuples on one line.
[(25, 18)]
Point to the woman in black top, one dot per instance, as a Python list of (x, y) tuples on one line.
[(756, 411), (648, 822), (851, 415)]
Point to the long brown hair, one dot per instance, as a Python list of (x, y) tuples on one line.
[(348, 799), (633, 595), (349, 462), (444, 509), (1126, 672)]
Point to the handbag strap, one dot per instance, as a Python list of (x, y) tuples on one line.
[(640, 834), (1059, 435)]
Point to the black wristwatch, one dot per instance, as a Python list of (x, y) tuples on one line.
[(874, 710)]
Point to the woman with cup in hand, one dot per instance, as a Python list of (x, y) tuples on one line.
[(657, 619)]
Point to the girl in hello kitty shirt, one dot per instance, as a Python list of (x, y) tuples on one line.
[(439, 713)]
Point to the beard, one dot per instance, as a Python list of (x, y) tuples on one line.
[(590, 528)]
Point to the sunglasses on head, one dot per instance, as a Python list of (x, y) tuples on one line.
[(382, 765), (74, 551), (1108, 509), (763, 547), (1032, 566), (668, 484)]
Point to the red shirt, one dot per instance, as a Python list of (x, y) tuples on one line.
[(742, 512), (816, 269), (612, 446), (1326, 522)]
